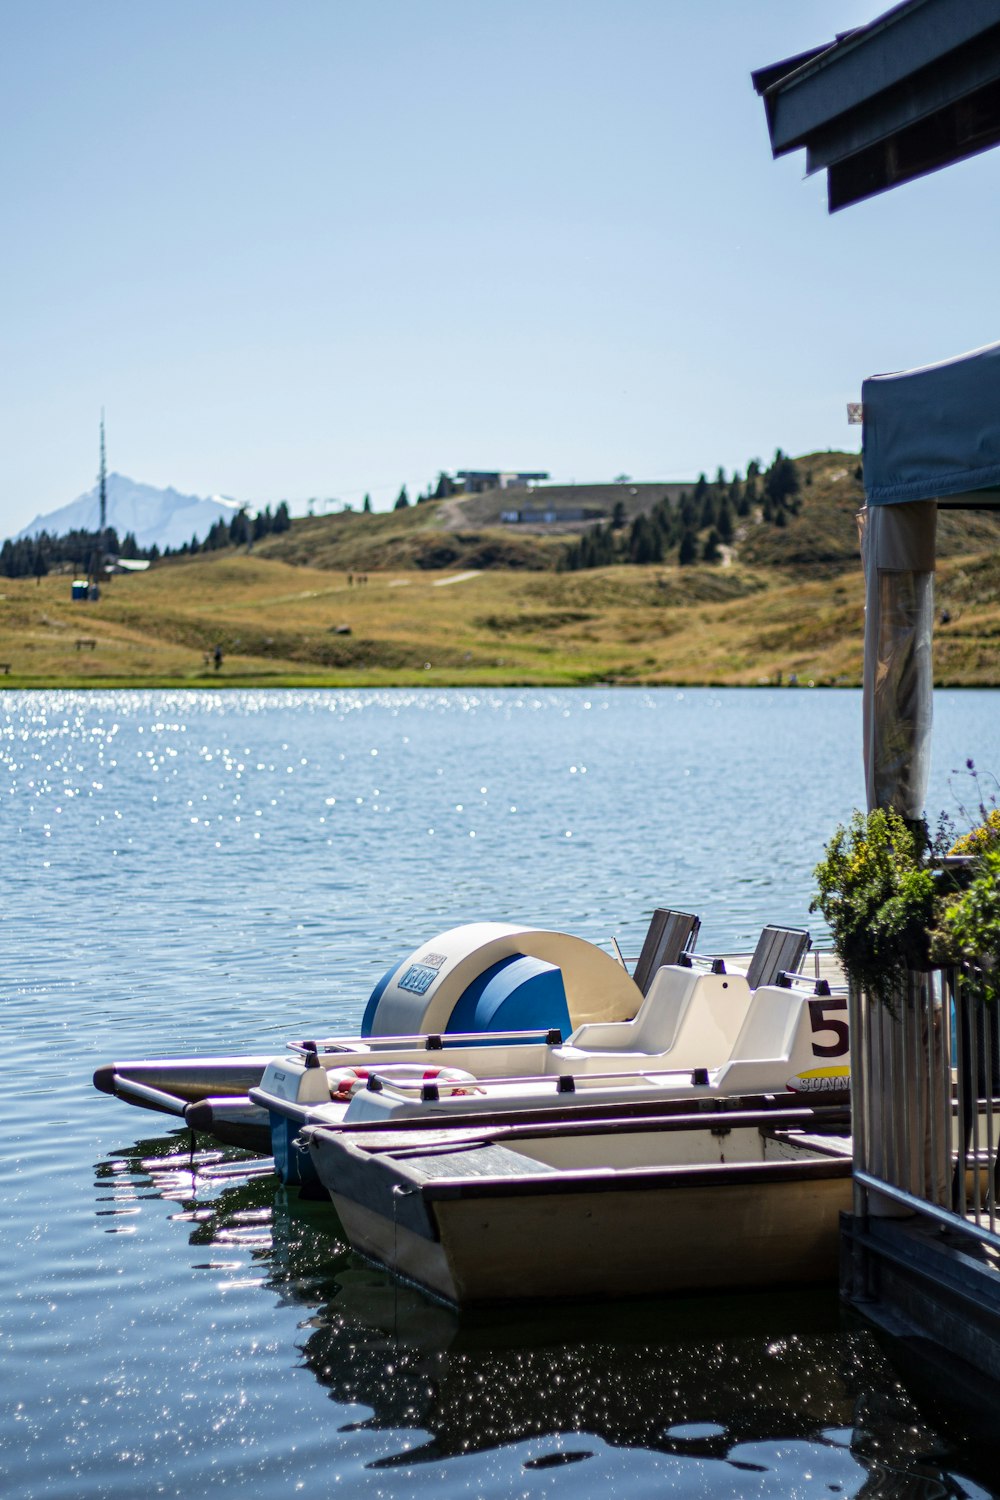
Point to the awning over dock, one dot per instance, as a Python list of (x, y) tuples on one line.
[(934, 433), (931, 437)]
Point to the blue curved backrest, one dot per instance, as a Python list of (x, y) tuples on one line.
[(515, 994)]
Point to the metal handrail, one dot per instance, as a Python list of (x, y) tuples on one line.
[(435, 1041), (566, 1082), (926, 1121)]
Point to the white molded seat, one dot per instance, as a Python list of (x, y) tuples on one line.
[(778, 1041), (688, 1019)]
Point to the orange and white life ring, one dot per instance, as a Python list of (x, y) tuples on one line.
[(346, 1082)]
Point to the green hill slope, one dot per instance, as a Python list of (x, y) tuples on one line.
[(819, 537)]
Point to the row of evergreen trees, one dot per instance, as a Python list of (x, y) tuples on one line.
[(697, 526), (443, 490), (34, 557), (242, 531)]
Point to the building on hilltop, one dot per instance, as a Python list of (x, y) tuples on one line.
[(474, 481), (549, 517)]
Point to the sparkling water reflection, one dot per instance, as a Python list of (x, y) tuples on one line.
[(218, 871)]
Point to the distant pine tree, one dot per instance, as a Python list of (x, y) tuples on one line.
[(239, 529), (646, 542), (402, 500), (782, 482)]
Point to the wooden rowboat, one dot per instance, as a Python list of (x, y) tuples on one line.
[(609, 1208)]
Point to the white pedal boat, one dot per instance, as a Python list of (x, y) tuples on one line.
[(697, 1031), (698, 1038), (576, 1208)]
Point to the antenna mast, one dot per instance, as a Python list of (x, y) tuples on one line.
[(97, 553), (104, 484)]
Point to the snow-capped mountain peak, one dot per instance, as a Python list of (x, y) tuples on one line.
[(164, 517)]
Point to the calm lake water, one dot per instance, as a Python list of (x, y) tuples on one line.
[(215, 872)]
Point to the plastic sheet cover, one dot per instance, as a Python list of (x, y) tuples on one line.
[(897, 548), (934, 433)]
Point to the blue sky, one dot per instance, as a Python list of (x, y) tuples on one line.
[(313, 249)]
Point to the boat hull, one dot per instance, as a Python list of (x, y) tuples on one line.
[(728, 1235), (525, 1232)]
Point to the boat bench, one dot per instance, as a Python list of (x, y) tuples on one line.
[(479, 1161), (837, 1146)]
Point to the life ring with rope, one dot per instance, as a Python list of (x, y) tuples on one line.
[(346, 1082)]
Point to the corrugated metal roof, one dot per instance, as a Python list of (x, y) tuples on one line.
[(915, 90)]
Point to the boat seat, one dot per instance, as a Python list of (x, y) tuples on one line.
[(688, 1019), (783, 1038), (779, 950), (670, 934)]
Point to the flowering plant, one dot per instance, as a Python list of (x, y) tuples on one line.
[(877, 891), (968, 927)]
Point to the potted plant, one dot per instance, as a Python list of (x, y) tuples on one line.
[(968, 926), (878, 891)]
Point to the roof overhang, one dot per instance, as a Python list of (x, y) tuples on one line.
[(915, 90)]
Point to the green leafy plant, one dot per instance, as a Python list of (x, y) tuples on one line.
[(967, 933), (980, 838), (968, 928), (877, 891)]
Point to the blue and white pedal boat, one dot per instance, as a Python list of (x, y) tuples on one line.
[(473, 1024)]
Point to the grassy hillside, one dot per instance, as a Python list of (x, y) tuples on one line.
[(824, 535), (279, 624), (414, 538), (465, 532), (788, 604)]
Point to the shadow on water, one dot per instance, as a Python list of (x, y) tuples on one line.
[(707, 1377)]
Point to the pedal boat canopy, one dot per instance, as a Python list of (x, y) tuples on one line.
[(931, 437)]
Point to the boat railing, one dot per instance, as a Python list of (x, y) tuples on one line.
[(436, 1041), (428, 1090), (926, 1105), (817, 963), (631, 1077)]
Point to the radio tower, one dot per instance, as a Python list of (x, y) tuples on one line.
[(104, 485), (97, 555)]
